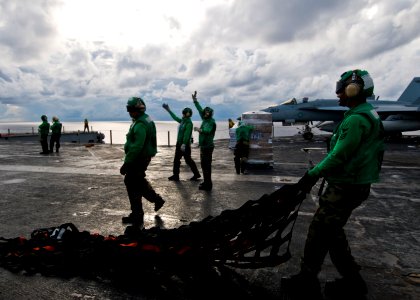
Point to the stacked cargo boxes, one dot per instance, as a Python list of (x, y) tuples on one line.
[(261, 143)]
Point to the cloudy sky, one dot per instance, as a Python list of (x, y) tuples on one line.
[(84, 58)]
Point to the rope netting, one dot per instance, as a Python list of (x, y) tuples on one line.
[(256, 235)]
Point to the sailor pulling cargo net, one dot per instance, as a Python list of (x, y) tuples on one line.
[(255, 235)]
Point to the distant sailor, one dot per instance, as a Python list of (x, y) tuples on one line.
[(55, 135), (43, 130), (86, 122), (241, 152), (183, 143), (231, 123), (206, 131)]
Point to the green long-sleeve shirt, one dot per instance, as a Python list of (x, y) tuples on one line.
[(140, 140), (44, 128), (243, 132), (56, 127), (184, 130), (207, 129), (356, 149)]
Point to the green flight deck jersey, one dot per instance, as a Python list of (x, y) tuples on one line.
[(357, 148), (141, 140), (184, 130), (208, 129)]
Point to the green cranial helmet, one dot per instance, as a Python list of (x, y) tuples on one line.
[(187, 110), (209, 110), (44, 118), (135, 104), (358, 77)]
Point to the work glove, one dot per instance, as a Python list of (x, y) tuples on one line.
[(183, 148), (307, 182), (165, 106), (124, 168), (194, 96)]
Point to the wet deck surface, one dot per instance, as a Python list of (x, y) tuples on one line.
[(82, 185)]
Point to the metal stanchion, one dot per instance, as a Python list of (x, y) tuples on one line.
[(110, 136)]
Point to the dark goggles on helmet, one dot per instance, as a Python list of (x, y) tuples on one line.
[(186, 110), (132, 109), (339, 87), (135, 108)]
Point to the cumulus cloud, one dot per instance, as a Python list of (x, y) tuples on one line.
[(26, 29), (240, 55)]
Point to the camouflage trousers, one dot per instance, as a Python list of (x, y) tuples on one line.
[(326, 233)]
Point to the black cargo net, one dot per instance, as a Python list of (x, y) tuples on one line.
[(256, 235)]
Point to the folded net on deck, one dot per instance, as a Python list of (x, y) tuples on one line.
[(255, 235)]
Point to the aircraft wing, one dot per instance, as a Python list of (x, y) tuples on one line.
[(325, 108), (398, 116), (379, 108), (396, 108)]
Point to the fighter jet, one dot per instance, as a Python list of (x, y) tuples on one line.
[(397, 116)]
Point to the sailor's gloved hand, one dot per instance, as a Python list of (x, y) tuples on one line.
[(194, 96), (165, 106), (124, 168), (307, 182), (183, 148)]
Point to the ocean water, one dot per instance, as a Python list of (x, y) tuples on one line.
[(115, 131)]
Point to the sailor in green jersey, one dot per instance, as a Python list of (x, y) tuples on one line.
[(139, 149), (241, 152), (231, 123), (205, 142), (55, 134), (86, 125), (183, 143), (351, 166), (43, 130)]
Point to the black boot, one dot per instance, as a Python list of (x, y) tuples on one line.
[(174, 178), (205, 186), (195, 177), (159, 203), (133, 219)]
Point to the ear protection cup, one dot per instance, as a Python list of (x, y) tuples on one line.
[(352, 90), (354, 83)]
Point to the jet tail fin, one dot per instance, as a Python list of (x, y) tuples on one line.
[(412, 93)]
